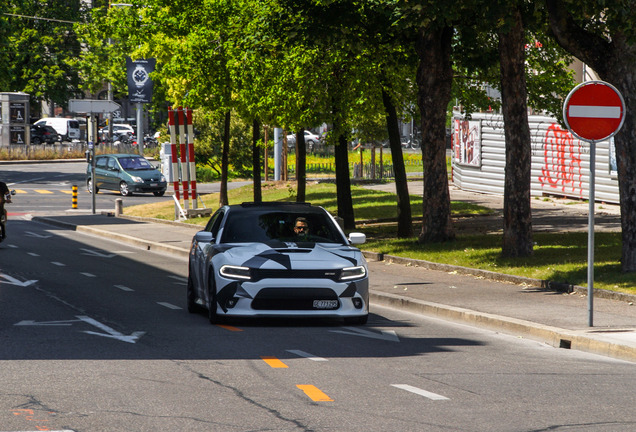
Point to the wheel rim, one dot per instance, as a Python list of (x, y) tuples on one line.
[(123, 188)]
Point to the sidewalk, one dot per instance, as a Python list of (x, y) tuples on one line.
[(518, 307)]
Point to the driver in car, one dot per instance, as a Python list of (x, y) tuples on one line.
[(301, 229)]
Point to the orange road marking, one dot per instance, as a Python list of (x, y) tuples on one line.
[(43, 191), (314, 393), (230, 328), (274, 362)]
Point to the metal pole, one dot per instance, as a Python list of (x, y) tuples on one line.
[(140, 128), (91, 148), (590, 238)]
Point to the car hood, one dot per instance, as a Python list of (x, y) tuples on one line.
[(152, 174), (296, 256)]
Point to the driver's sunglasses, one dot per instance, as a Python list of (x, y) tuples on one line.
[(301, 228)]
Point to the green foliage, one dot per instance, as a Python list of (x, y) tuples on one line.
[(36, 48), (209, 142)]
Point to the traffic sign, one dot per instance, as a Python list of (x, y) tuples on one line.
[(594, 111), (92, 106)]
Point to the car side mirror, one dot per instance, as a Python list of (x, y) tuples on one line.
[(204, 237), (357, 238)]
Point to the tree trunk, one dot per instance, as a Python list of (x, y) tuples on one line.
[(256, 160), (405, 221), (343, 183), (434, 80), (517, 230), (301, 159), (223, 200), (614, 59)]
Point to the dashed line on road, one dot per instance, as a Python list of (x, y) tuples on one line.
[(314, 393), (124, 288), (59, 264), (168, 305), (306, 355), (274, 362), (88, 274), (426, 394), (230, 328)]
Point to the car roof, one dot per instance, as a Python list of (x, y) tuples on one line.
[(118, 155), (276, 206)]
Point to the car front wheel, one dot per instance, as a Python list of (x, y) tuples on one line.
[(191, 295), (89, 187), (123, 189), (213, 316), (159, 193)]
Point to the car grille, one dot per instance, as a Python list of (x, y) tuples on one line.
[(259, 274), (291, 298)]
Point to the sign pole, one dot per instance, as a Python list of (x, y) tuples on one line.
[(590, 238), (593, 111)]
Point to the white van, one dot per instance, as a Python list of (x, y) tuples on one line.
[(69, 129)]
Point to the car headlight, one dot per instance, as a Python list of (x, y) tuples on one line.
[(235, 272), (163, 179), (137, 179), (357, 272)]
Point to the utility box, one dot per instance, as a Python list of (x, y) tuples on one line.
[(14, 119)]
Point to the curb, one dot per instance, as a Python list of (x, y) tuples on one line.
[(148, 245), (554, 336), (501, 277)]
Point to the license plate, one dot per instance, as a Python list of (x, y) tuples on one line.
[(154, 184), (325, 304)]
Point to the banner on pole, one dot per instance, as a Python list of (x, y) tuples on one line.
[(139, 82)]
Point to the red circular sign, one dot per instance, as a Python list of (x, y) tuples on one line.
[(594, 111)]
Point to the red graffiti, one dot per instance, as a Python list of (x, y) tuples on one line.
[(562, 162)]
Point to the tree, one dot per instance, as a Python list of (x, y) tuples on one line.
[(604, 37), (517, 232), (37, 46), (434, 82)]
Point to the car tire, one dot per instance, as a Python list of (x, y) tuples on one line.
[(191, 297), (361, 320), (213, 316), (89, 186), (159, 193), (123, 189), (36, 141)]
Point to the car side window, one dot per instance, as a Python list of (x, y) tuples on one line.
[(101, 162), (112, 166), (214, 223)]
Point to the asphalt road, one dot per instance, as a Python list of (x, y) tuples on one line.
[(94, 336)]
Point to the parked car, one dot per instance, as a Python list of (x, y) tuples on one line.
[(44, 134), (311, 141), (68, 129), (254, 260), (126, 173)]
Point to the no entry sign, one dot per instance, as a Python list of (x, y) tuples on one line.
[(594, 111)]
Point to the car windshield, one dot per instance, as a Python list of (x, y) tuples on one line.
[(278, 226), (133, 163)]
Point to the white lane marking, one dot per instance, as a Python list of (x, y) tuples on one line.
[(59, 264), (33, 254), (124, 288), (306, 355), (88, 274), (426, 394), (32, 234), (388, 335), (13, 281), (110, 332), (594, 111), (13, 246), (91, 252), (168, 305)]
